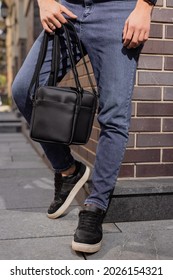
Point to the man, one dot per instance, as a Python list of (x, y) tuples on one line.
[(112, 33)]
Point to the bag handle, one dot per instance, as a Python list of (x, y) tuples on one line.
[(56, 60), (73, 64), (83, 56), (54, 72), (41, 57)]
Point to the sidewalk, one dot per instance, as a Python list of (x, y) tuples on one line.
[(26, 190)]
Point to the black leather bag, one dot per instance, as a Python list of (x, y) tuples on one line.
[(62, 115)]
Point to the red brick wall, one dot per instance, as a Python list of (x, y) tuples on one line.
[(150, 147)]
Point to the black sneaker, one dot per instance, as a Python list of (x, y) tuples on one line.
[(66, 189), (88, 235)]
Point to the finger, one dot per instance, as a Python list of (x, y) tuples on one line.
[(46, 27), (134, 43), (58, 19), (68, 12), (55, 22), (51, 26), (146, 36), (128, 37), (125, 30), (142, 37)]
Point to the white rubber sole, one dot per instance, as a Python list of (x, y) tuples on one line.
[(71, 195), (86, 248)]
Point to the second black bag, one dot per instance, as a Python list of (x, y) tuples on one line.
[(62, 114)]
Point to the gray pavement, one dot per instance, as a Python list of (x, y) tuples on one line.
[(26, 189)]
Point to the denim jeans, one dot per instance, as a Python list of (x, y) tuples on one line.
[(99, 25)]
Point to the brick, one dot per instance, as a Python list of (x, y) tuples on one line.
[(90, 69), (168, 93), (154, 170), (131, 140), (169, 3), (96, 123), (75, 148), (167, 155), (81, 70), (168, 65), (95, 134), (169, 31), (126, 171), (145, 125), (83, 152), (155, 109), (155, 78), (91, 158), (156, 31), (150, 62), (147, 93), (87, 59), (142, 155), (168, 125), (84, 81), (162, 15), (133, 109), (160, 3), (158, 46), (154, 140), (91, 145)]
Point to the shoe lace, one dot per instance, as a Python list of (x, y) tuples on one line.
[(90, 221)]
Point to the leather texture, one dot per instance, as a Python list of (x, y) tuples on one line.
[(62, 114)]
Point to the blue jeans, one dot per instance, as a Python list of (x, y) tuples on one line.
[(99, 26)]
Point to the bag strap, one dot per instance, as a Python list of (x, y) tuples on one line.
[(54, 71), (69, 23), (41, 57), (56, 60), (73, 64)]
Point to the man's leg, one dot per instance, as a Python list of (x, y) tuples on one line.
[(114, 67), (66, 187), (101, 27)]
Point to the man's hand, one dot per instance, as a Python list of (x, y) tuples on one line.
[(51, 14), (137, 26)]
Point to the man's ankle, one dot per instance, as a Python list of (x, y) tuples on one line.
[(69, 171)]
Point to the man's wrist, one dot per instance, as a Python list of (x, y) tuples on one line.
[(151, 2), (144, 5)]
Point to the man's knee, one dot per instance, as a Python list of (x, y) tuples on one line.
[(19, 90)]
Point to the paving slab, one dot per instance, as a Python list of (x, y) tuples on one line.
[(4, 148), (26, 188), (24, 224), (143, 245), (146, 225), (12, 137), (24, 164), (23, 173), (8, 116), (49, 248), (26, 157), (23, 144), (33, 188)]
